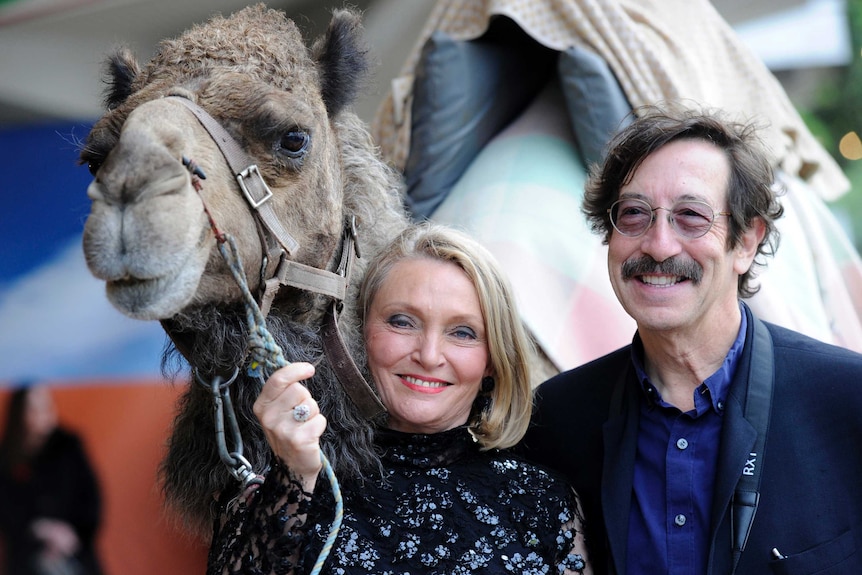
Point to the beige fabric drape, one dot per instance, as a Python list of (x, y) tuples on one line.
[(658, 49)]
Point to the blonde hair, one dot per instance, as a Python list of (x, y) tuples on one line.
[(510, 349)]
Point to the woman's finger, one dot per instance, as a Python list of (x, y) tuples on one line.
[(284, 378)]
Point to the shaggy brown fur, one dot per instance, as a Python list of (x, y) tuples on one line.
[(149, 239)]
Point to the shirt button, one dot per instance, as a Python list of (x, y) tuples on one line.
[(682, 443), (720, 405), (679, 519)]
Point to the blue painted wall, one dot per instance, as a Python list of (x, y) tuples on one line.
[(55, 321)]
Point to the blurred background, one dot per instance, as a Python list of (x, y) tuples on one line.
[(56, 325)]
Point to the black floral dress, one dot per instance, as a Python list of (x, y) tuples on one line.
[(443, 508)]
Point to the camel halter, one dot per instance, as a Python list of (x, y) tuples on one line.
[(295, 274), (265, 352)]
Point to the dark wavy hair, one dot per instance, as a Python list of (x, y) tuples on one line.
[(752, 191)]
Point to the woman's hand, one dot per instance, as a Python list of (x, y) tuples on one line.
[(58, 537), (295, 442)]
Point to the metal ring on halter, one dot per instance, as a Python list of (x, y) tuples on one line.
[(301, 413)]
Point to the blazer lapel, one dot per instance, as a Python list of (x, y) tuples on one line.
[(620, 444)]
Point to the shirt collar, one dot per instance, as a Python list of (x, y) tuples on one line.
[(712, 393)]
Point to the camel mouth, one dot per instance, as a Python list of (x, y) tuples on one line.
[(149, 298), (130, 282), (139, 286)]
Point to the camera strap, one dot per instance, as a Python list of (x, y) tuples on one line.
[(758, 408)]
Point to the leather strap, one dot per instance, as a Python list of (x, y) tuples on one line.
[(257, 193), (298, 275), (348, 374), (247, 175)]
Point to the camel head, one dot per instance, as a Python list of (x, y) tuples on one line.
[(150, 232), (165, 193)]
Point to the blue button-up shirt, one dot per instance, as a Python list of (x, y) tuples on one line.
[(674, 472)]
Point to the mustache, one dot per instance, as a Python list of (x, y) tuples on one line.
[(646, 265)]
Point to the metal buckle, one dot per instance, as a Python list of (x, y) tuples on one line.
[(253, 171)]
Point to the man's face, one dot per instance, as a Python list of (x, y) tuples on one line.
[(669, 282)]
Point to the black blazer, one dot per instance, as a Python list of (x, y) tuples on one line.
[(811, 489)]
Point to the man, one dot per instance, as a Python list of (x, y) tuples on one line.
[(714, 443)]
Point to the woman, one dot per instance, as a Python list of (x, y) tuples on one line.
[(50, 503), (448, 356)]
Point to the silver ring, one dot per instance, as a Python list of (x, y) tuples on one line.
[(301, 412)]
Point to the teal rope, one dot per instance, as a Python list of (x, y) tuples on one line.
[(266, 357), (336, 522)]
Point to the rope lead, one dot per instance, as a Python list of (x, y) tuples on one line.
[(266, 357)]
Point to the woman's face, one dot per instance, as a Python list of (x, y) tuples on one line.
[(427, 350)]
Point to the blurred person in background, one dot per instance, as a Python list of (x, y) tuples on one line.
[(50, 502)]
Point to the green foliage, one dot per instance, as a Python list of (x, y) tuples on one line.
[(850, 204), (837, 110), (836, 113)]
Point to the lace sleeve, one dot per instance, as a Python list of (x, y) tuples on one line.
[(265, 531), (573, 553)]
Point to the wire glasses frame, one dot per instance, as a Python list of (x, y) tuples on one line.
[(690, 219)]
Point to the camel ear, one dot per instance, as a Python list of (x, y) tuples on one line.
[(342, 59), (121, 69)]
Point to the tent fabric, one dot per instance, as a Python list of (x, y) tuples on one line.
[(521, 198), (655, 53), (595, 102), (464, 93), (521, 193), (814, 283)]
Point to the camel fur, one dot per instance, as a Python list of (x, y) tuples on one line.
[(149, 238)]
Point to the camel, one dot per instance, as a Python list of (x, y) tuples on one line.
[(311, 191)]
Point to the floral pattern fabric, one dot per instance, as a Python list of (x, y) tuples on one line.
[(441, 507)]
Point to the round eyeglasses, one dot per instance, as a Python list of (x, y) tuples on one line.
[(689, 218)]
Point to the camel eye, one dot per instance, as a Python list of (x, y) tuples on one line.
[(294, 143), (95, 151), (93, 160)]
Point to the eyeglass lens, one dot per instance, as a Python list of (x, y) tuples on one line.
[(691, 219)]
